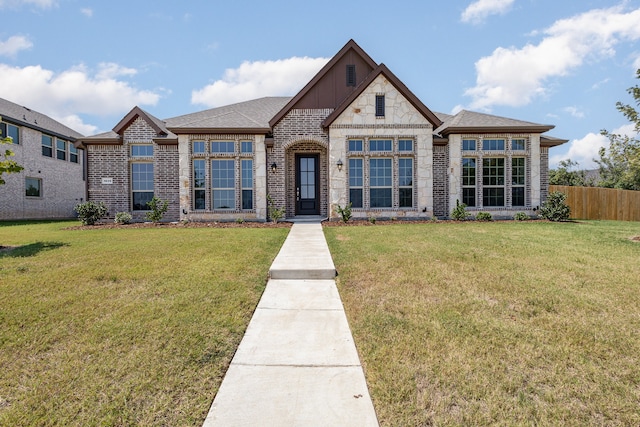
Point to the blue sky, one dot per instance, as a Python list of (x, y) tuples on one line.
[(87, 63)]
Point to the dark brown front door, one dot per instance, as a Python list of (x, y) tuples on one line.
[(307, 180)]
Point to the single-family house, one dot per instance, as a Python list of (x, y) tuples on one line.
[(355, 134), (53, 179)]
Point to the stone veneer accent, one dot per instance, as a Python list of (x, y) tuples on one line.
[(113, 161), (544, 174), (401, 121), (299, 131), (440, 181)]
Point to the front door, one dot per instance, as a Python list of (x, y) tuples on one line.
[(307, 180)]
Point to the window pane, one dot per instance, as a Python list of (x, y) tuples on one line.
[(222, 147), (247, 199), (13, 132), (380, 197), (32, 187), (380, 172), (518, 171), (517, 144), (405, 145), (469, 196), (468, 171), (142, 151), (140, 200), (61, 149), (355, 197), (247, 184), (198, 147), (47, 145), (223, 183), (246, 147), (493, 171), (355, 173), (142, 176), (405, 172), (493, 197), (198, 174), (406, 197), (355, 145), (199, 199), (517, 196), (493, 144), (380, 145), (469, 145), (223, 199)]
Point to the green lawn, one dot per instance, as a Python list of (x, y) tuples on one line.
[(500, 323), (123, 327)]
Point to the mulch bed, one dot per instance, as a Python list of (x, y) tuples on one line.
[(193, 224)]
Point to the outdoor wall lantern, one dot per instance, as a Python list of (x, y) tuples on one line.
[(274, 167), (339, 164)]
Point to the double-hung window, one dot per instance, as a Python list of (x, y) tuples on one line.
[(469, 181), (141, 185), (518, 179), (11, 131), (247, 183), (199, 184), (47, 145), (493, 181), (73, 153), (405, 182), (61, 149), (223, 184), (356, 182), (33, 187), (380, 183)]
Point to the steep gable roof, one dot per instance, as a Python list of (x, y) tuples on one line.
[(158, 125), (351, 52), (404, 90), (247, 117), (27, 117), (471, 122)]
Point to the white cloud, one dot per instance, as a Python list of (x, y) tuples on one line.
[(514, 77), (574, 112), (636, 63), (478, 11), (257, 79), (87, 12), (585, 150), (43, 4), (66, 95), (13, 45)]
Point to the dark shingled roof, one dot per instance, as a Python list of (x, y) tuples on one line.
[(24, 116), (248, 115), (469, 121)]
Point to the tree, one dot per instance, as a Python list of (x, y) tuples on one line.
[(6, 164), (564, 175), (620, 163)]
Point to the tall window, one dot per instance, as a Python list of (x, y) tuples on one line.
[(380, 183), (33, 187), (223, 184), (356, 182), (73, 153), (379, 105), (199, 184), (47, 145), (518, 178), (493, 181), (247, 183), (469, 181), (141, 185), (405, 183), (61, 149)]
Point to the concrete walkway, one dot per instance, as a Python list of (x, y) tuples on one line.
[(297, 364)]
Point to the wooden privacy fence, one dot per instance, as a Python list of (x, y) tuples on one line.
[(601, 203)]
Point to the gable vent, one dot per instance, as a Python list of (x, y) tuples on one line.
[(351, 75)]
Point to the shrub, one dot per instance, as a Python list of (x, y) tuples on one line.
[(345, 213), (90, 212), (158, 208), (484, 216), (372, 220), (521, 216), (123, 218), (239, 220), (275, 214), (460, 213), (555, 208)]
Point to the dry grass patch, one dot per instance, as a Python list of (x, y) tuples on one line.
[(495, 323), (123, 326)]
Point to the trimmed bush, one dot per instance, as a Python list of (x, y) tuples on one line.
[(123, 218), (275, 213), (484, 216), (157, 209), (345, 213), (555, 208), (90, 212), (521, 216), (460, 213)]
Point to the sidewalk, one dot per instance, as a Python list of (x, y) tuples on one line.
[(297, 364)]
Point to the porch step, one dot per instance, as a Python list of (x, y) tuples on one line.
[(304, 256)]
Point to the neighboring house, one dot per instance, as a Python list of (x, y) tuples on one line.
[(52, 181), (354, 134)]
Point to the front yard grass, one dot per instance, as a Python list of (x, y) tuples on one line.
[(495, 323), (123, 327)]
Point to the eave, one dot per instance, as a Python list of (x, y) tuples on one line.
[(497, 129), (192, 131)]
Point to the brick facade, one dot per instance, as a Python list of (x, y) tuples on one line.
[(440, 181)]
